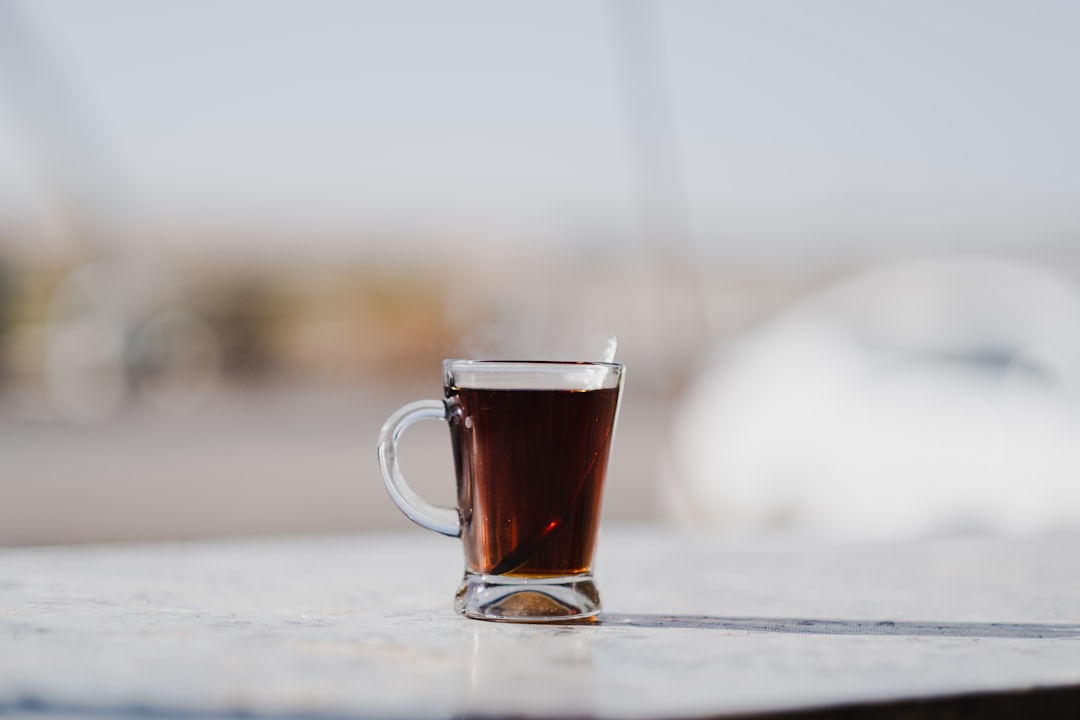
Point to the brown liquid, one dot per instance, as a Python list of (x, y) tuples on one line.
[(530, 467)]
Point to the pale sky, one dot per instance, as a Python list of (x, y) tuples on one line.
[(799, 125)]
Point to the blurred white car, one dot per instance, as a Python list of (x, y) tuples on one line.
[(922, 398)]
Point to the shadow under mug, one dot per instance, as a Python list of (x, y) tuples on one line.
[(531, 443)]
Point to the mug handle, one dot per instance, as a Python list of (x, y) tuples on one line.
[(440, 519)]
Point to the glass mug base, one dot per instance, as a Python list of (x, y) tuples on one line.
[(525, 599)]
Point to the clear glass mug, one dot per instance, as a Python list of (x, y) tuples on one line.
[(531, 442)]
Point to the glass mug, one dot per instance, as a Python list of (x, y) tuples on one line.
[(531, 443)]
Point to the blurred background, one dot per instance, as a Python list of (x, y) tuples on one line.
[(839, 243)]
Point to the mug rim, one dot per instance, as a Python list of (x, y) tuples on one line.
[(492, 362), (531, 374)]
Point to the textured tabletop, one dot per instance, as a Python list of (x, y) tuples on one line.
[(694, 626)]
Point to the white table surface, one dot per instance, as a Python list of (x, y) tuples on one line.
[(694, 626)]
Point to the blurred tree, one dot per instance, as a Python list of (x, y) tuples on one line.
[(243, 314), (7, 300)]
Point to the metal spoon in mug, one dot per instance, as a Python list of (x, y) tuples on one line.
[(610, 348)]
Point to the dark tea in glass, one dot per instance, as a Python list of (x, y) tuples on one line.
[(530, 470)]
